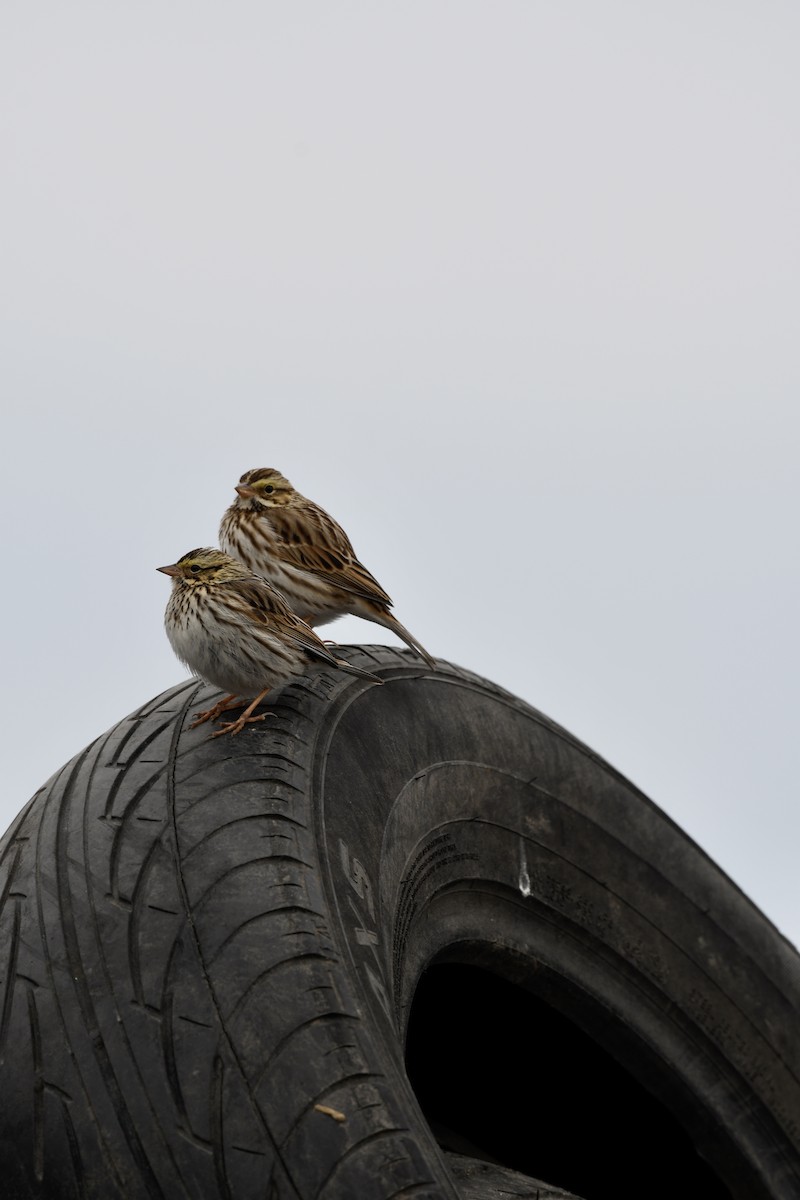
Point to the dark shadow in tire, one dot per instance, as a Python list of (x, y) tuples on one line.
[(502, 1074)]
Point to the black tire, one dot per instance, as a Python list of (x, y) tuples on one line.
[(210, 950)]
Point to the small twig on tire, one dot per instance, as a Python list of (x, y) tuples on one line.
[(330, 1112)]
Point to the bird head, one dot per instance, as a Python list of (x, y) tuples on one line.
[(205, 566), (266, 487)]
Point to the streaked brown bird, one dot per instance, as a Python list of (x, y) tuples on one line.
[(305, 554), (235, 631)]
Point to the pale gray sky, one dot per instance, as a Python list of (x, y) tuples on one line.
[(511, 288)]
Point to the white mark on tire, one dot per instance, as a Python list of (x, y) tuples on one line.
[(524, 882)]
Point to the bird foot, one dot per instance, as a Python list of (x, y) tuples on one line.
[(210, 714), (238, 725)]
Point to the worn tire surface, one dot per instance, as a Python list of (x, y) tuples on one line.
[(209, 948)]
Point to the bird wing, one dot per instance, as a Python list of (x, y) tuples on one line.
[(265, 606), (312, 540)]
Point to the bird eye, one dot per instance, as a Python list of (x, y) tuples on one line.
[(194, 567), (269, 488)]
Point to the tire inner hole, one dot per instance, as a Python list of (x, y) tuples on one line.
[(503, 1076)]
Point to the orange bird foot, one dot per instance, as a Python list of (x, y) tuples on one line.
[(246, 718), (238, 725), (210, 714)]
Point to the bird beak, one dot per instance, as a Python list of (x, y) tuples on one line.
[(174, 569), (245, 492)]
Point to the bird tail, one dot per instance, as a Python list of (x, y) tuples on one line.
[(382, 617), (346, 666), (319, 649)]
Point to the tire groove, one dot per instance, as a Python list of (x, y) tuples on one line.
[(86, 1005), (74, 1149), (148, 710), (265, 916), (115, 892), (190, 910), (120, 777), (102, 1140), (134, 921), (224, 787), (235, 870), (415, 1188), (220, 789), (152, 706), (122, 820), (111, 992), (167, 1009), (355, 1076), (118, 844), (218, 1130), (15, 838), (38, 1086), (212, 833), (12, 871), (376, 1136), (290, 960), (11, 975), (318, 1019), (168, 1042)]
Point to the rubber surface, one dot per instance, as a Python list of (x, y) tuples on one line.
[(209, 948)]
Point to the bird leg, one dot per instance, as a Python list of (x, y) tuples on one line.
[(245, 719), (211, 713)]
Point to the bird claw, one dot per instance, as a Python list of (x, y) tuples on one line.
[(234, 727), (210, 714)]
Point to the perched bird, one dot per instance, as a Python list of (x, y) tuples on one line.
[(302, 551), (235, 631)]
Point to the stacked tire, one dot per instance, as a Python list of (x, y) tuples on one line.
[(326, 958)]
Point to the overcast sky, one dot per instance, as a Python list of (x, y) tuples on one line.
[(511, 288)]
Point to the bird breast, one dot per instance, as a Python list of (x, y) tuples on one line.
[(233, 654)]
